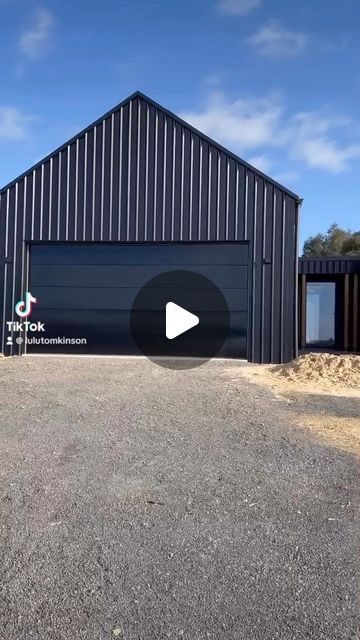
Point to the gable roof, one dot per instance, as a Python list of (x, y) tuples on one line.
[(170, 114)]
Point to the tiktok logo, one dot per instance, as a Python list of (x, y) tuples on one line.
[(23, 307)]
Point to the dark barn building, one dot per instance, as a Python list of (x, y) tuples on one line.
[(329, 304), (137, 193)]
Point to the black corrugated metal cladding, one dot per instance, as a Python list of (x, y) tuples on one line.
[(331, 266), (140, 174)]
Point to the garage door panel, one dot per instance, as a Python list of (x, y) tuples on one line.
[(136, 254), (223, 276), (87, 292), (76, 323), (115, 298), (114, 338)]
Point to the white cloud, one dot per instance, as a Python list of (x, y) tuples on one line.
[(287, 177), (13, 124), (244, 123), (262, 162), (238, 7), (36, 39), (259, 128), (274, 41), (316, 145)]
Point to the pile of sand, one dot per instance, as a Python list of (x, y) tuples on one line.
[(329, 369)]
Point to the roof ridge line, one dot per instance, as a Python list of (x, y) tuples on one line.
[(171, 114)]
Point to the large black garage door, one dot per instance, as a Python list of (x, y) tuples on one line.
[(86, 291)]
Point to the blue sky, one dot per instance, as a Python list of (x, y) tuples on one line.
[(277, 82)]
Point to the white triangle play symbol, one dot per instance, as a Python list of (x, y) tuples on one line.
[(178, 320)]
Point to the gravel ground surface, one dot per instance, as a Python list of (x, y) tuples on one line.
[(143, 503)]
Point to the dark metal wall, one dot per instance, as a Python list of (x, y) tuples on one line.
[(346, 264), (140, 174)]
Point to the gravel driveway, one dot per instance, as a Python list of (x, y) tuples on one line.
[(143, 503)]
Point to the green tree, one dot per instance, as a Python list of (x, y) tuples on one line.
[(335, 242)]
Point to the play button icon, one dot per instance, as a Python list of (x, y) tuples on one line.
[(178, 320)]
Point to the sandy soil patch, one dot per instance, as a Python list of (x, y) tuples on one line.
[(323, 392), (320, 372)]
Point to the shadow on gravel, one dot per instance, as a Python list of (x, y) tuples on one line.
[(337, 406)]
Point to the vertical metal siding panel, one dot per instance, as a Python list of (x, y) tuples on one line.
[(282, 278), (67, 192), (191, 188), (29, 205), (45, 201), (204, 192), (283, 327), (258, 262), (107, 178), (159, 185), (124, 173), (290, 277), (176, 212), (36, 206), (24, 249), (102, 192), (296, 271), (227, 195), (3, 265), (151, 158), (195, 187), (93, 186), (212, 194), (167, 186), (132, 178), (115, 170), (51, 179), (141, 172), (129, 161), (246, 217), (249, 226), (155, 177), (182, 150), (231, 204), (186, 186), (222, 197), (240, 209), (18, 254), (209, 194), (88, 186), (277, 277), (267, 276), (11, 224), (53, 197), (63, 195), (138, 170), (17, 225), (97, 185), (173, 172), (80, 192), (120, 195), (77, 189), (72, 189)]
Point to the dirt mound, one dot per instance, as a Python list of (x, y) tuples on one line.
[(327, 368)]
